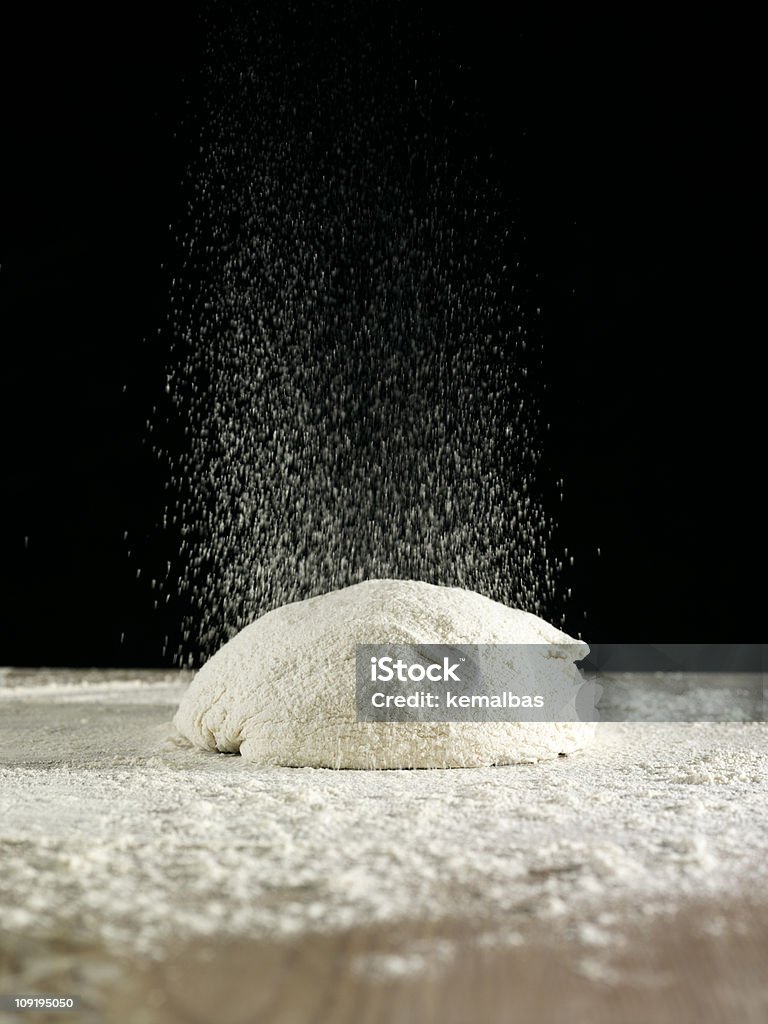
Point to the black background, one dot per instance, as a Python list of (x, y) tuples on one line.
[(621, 141)]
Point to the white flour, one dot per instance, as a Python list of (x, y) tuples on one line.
[(282, 692), (110, 834)]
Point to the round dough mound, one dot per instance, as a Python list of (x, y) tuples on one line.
[(282, 692)]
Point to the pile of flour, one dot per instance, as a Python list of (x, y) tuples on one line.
[(282, 692), (110, 835)]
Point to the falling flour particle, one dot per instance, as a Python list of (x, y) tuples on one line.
[(282, 692)]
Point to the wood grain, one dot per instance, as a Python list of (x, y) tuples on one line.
[(707, 964)]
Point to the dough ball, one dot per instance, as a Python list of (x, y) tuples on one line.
[(282, 692)]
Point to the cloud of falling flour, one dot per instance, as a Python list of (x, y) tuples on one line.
[(350, 359)]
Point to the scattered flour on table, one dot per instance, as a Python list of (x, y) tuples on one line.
[(282, 692), (110, 834)]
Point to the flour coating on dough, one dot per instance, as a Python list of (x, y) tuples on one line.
[(282, 692)]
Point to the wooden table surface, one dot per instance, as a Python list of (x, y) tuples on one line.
[(707, 964)]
